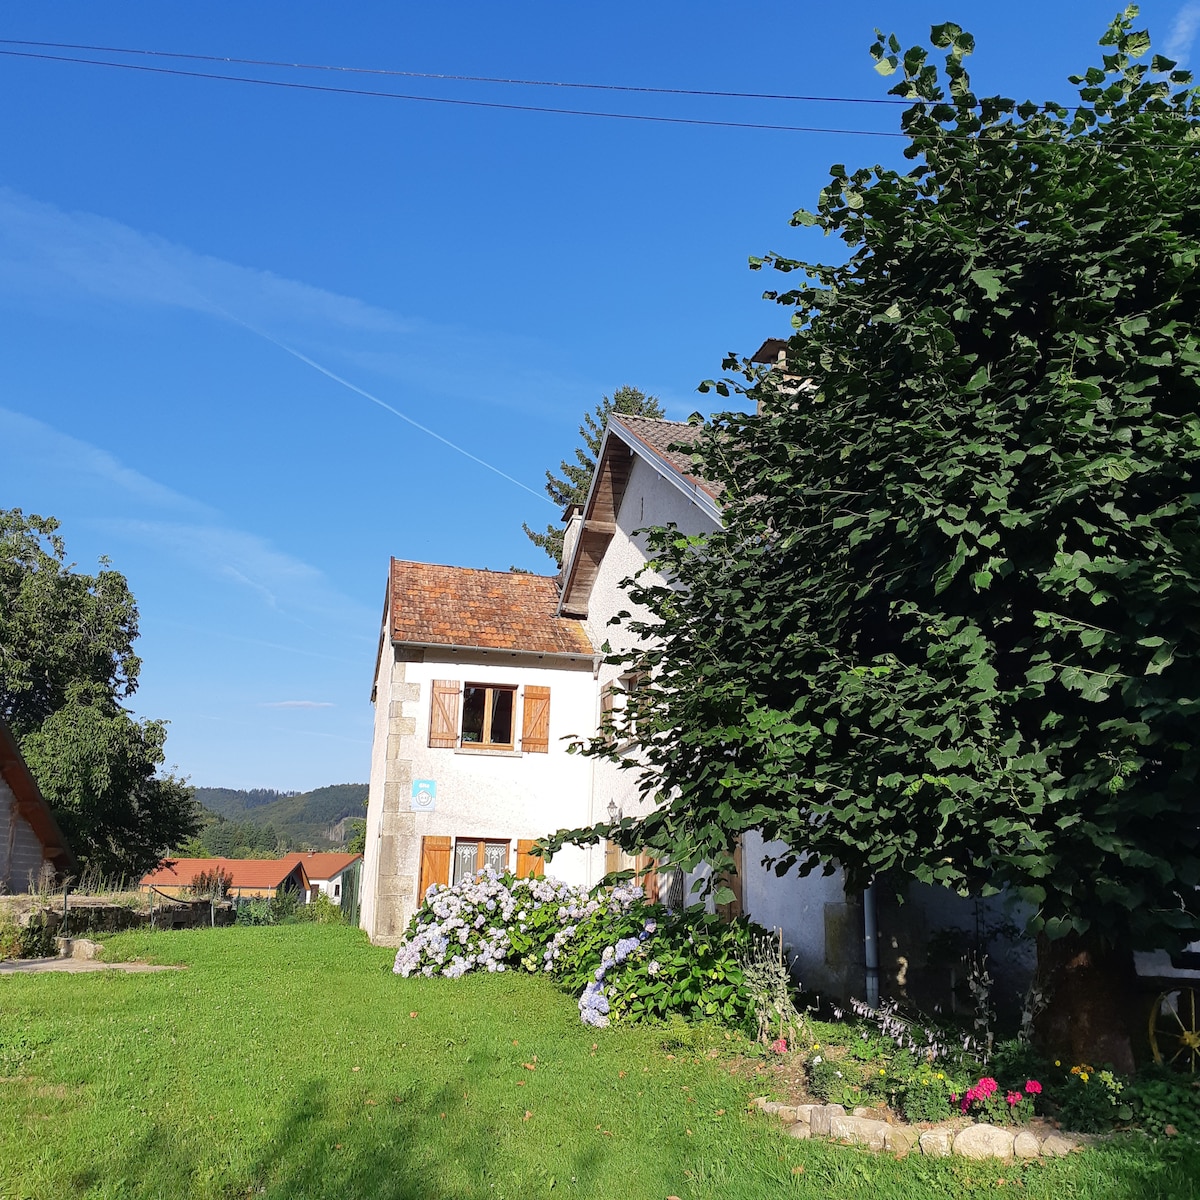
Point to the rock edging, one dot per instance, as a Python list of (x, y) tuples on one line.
[(975, 1141)]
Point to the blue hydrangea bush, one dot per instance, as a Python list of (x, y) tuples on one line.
[(623, 957)]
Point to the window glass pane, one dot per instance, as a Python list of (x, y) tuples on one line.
[(466, 856), (495, 855), (472, 722), (502, 717)]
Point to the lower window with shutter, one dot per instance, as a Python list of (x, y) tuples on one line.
[(435, 864), (472, 855)]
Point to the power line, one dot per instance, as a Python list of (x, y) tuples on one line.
[(495, 104), (551, 83), (531, 108)]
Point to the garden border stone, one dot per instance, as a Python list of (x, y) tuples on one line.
[(975, 1140)]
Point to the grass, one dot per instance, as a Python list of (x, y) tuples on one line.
[(287, 1062)]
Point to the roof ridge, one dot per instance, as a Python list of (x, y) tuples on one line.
[(660, 420), (417, 562)]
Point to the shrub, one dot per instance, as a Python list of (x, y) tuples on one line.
[(1090, 1100), (623, 957), (211, 885), (1165, 1102), (321, 911)]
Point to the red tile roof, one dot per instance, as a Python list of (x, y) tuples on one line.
[(245, 872), (321, 866), (492, 610), (657, 435)]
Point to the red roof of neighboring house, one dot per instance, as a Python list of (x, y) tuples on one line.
[(245, 872), (321, 866), (492, 610)]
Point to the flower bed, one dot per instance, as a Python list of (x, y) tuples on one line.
[(622, 956)]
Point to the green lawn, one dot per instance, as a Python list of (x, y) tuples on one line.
[(289, 1062)]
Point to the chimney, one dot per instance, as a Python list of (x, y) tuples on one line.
[(573, 516)]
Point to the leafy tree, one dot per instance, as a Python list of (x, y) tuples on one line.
[(949, 631), (572, 486), (66, 663)]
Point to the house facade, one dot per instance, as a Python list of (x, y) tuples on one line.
[(479, 685), (31, 842), (641, 482)]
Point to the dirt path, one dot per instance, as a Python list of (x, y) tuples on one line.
[(28, 966)]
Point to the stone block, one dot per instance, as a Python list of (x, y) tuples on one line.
[(1025, 1145), (900, 1139), (398, 728), (821, 1116), (1058, 1144), (804, 1112), (859, 1130), (761, 1102), (984, 1141), (787, 1113), (799, 1130), (937, 1143)]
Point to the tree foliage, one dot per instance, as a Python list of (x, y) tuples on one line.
[(576, 479), (66, 663), (949, 629)]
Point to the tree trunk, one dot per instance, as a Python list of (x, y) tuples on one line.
[(1090, 997)]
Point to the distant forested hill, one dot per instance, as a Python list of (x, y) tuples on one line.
[(287, 820)]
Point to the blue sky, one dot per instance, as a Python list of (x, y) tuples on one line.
[(173, 249)]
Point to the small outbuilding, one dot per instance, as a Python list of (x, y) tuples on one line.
[(257, 877), (327, 873), (30, 839)]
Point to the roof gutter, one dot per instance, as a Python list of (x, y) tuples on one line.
[(572, 655)]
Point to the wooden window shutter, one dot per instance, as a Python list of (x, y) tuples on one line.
[(435, 864), (528, 863), (612, 857), (443, 714), (535, 728), (733, 881), (647, 876), (607, 704)]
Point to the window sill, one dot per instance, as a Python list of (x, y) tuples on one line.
[(489, 752)]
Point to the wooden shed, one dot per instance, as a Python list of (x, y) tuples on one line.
[(29, 835)]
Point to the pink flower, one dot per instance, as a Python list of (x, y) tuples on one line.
[(779, 1045), (1033, 1087), (987, 1086), (1014, 1098)]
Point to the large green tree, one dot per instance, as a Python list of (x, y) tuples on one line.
[(950, 630), (572, 486), (66, 664)]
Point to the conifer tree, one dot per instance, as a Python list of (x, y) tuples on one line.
[(572, 487)]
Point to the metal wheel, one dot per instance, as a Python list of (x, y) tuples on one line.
[(1175, 1029)]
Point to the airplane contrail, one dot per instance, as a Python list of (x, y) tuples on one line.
[(316, 366)]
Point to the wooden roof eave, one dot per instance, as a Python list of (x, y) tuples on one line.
[(384, 629), (599, 522)]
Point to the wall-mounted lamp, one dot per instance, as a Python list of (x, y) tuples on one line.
[(614, 812)]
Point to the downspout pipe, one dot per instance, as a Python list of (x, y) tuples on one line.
[(871, 944)]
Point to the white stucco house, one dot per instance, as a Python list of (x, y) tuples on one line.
[(641, 482), (483, 678), (459, 648), (478, 682), (328, 874)]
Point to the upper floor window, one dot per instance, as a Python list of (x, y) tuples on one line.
[(484, 716)]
